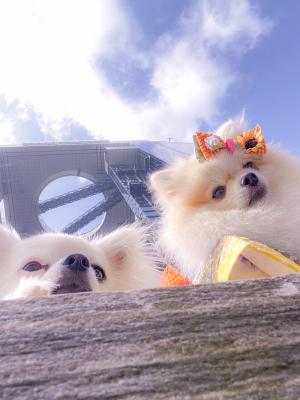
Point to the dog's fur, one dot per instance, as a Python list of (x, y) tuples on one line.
[(193, 222), (124, 255)]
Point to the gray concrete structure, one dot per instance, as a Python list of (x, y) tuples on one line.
[(122, 167)]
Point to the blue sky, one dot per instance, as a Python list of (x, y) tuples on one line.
[(270, 85), (58, 218), (137, 69), (145, 69)]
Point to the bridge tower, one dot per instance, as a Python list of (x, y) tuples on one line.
[(118, 170)]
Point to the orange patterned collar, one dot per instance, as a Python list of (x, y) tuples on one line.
[(171, 278)]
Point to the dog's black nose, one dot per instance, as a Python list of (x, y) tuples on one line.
[(77, 262), (249, 180)]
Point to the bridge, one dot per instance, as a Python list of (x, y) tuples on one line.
[(118, 172)]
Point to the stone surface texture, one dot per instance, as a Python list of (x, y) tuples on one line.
[(238, 340)]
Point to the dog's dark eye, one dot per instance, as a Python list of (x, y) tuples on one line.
[(100, 274), (219, 192), (250, 164), (32, 266)]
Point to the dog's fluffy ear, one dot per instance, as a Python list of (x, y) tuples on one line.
[(120, 245), (168, 183), (8, 238), (162, 185), (130, 256)]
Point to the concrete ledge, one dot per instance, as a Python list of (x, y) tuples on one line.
[(227, 341)]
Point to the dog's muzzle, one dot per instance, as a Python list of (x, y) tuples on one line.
[(74, 275), (257, 189)]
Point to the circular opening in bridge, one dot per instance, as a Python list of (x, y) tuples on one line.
[(66, 203)]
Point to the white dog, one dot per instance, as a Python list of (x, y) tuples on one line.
[(54, 263), (232, 193)]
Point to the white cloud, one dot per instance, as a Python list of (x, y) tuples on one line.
[(47, 52), (237, 24), (6, 130), (193, 70), (50, 60)]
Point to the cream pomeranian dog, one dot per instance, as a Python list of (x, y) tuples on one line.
[(232, 193), (54, 263)]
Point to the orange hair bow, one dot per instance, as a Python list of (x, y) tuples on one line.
[(208, 145)]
